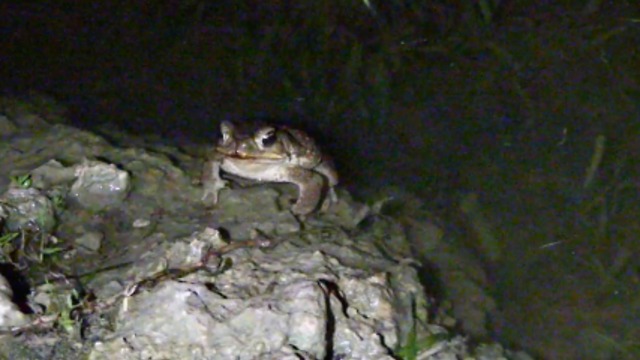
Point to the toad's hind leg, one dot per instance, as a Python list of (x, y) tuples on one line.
[(310, 186)]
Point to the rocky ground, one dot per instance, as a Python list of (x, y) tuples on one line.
[(109, 253)]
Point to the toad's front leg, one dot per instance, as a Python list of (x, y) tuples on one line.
[(212, 183)]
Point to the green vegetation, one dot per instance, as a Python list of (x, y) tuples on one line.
[(22, 181), (415, 347), (6, 241)]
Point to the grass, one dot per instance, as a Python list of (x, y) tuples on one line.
[(623, 349)]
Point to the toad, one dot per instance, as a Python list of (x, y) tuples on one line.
[(272, 154)]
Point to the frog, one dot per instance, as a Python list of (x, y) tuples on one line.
[(267, 153)]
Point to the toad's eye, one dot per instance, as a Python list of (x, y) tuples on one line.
[(269, 138)]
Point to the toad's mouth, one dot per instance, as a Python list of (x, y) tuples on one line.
[(232, 153)]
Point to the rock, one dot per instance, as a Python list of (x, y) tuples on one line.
[(241, 211), (32, 121), (24, 114), (4, 214), (265, 304), (10, 314), (141, 223), (99, 185), (7, 127), (28, 207), (90, 241), (497, 352), (52, 173)]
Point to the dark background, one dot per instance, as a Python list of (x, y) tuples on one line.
[(440, 98)]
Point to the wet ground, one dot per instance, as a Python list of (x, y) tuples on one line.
[(440, 99)]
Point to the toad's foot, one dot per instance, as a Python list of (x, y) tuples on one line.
[(329, 200)]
